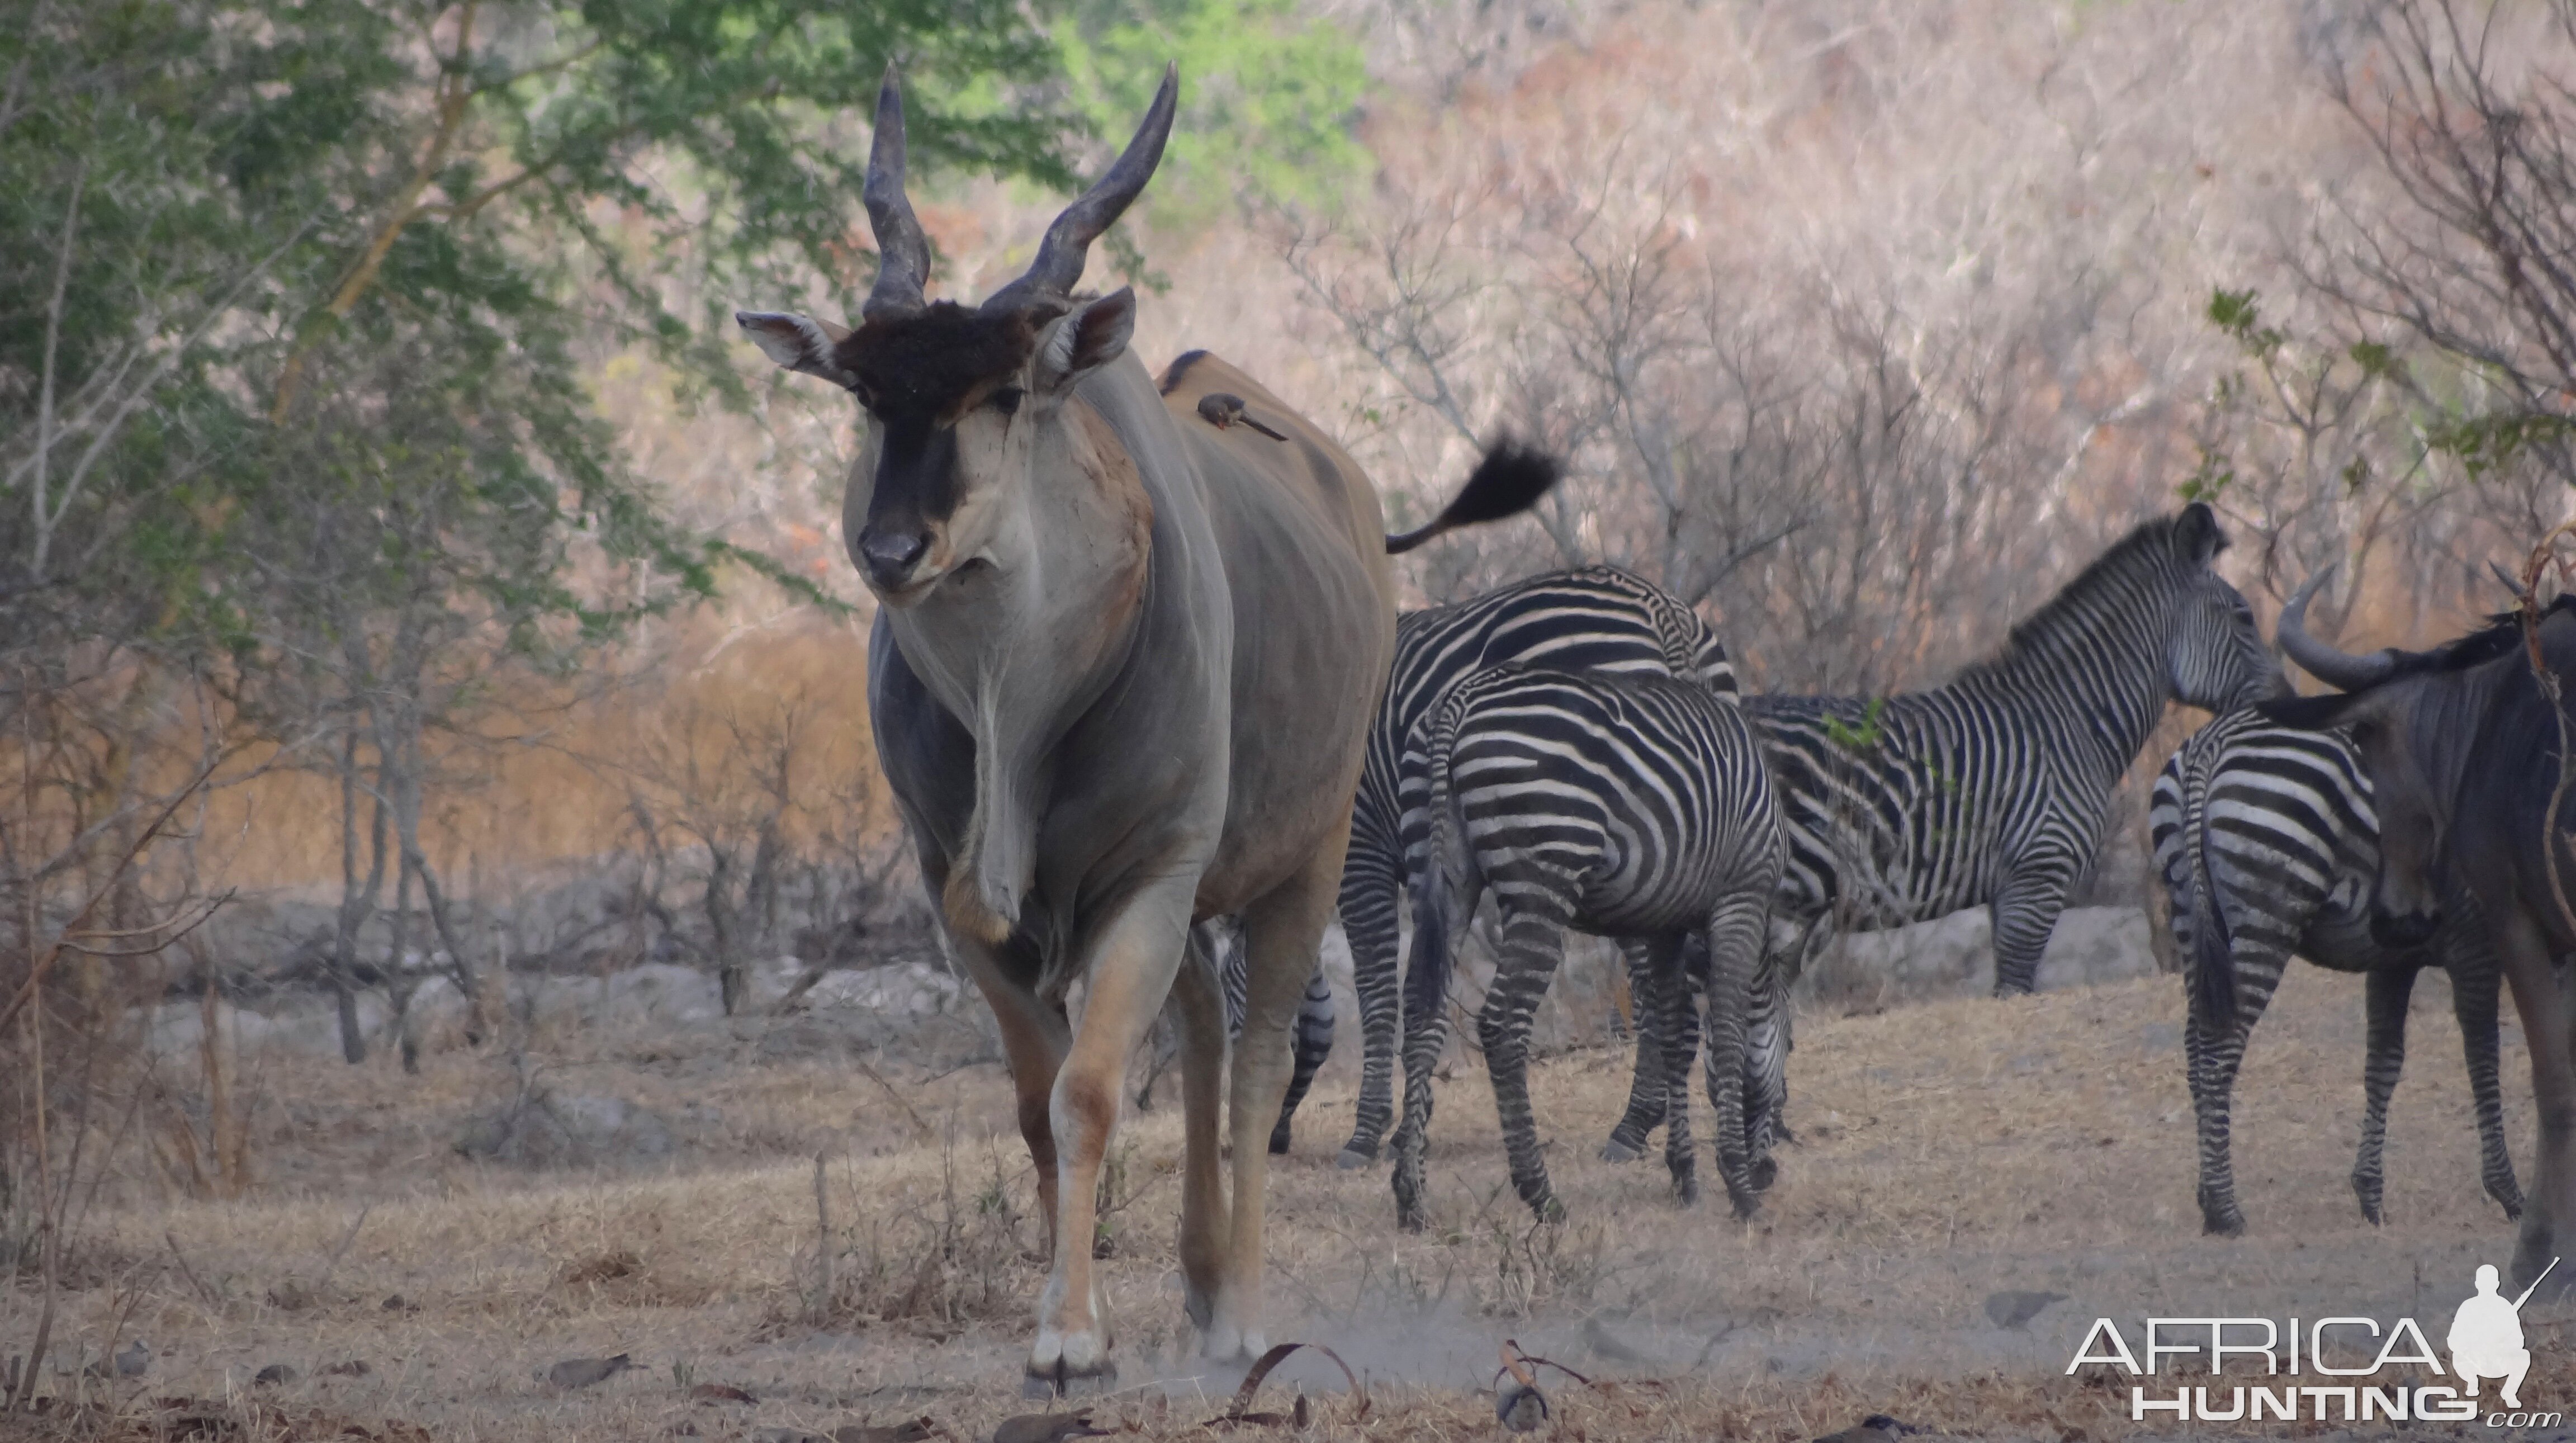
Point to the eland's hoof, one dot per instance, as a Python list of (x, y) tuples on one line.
[(1060, 1382)]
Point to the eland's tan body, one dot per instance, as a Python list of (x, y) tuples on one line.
[(1120, 678)]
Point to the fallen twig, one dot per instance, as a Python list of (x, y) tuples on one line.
[(1239, 1412)]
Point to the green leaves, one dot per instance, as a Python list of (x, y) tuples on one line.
[(1267, 98), (2237, 314)]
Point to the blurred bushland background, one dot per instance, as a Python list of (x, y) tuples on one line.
[(408, 579)]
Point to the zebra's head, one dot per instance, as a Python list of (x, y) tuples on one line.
[(2215, 658)]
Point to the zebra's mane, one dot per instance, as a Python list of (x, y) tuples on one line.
[(2149, 550)]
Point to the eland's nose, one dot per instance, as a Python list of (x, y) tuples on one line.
[(888, 557)]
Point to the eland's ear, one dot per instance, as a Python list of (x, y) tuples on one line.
[(2198, 537), (1090, 337), (800, 343)]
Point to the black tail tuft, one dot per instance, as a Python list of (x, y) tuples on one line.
[(1507, 482)]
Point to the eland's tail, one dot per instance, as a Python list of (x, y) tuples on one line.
[(1507, 482)]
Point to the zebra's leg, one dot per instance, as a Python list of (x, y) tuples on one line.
[(1647, 1097), (1766, 1062), (2025, 913), (2388, 990), (1533, 943), (1674, 1025), (1371, 883), (1735, 939), (2474, 985), (2213, 1053), (1788, 956), (1314, 1043), (1426, 1034)]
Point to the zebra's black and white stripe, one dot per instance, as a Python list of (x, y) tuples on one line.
[(2267, 844), (1623, 805), (1995, 788), (1591, 618)]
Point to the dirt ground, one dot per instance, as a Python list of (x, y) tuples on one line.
[(1946, 1151)]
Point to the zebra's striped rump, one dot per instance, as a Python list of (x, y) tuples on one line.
[(1629, 806), (1591, 618), (2267, 843)]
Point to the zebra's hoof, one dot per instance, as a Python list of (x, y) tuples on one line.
[(1354, 1157), (2229, 1224), (1764, 1173), (1616, 1150), (1279, 1141)]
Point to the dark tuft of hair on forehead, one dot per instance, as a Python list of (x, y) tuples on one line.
[(918, 366)]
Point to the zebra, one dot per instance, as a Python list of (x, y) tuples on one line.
[(1629, 805), (1590, 618), (2267, 843), (1994, 789)]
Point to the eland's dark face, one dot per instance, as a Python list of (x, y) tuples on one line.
[(963, 406), (947, 430)]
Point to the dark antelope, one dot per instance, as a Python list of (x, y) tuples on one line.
[(1123, 665), (2463, 751)]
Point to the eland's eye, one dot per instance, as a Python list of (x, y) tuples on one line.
[(1006, 400)]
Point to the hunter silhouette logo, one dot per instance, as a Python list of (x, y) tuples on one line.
[(2486, 1336)]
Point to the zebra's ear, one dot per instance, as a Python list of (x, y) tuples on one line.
[(2197, 535)]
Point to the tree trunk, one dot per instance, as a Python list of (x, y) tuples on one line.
[(357, 903)]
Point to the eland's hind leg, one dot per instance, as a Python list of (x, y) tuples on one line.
[(1198, 1006), (1281, 934), (1314, 1043)]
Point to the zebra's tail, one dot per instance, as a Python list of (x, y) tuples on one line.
[(2213, 952), (1443, 880)]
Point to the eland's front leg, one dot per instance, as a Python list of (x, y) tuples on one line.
[(1132, 961)]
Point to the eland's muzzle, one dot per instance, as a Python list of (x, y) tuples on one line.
[(889, 557)]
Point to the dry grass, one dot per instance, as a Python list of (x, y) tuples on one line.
[(1946, 1150)]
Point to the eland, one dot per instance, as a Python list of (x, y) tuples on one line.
[(1129, 640)]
